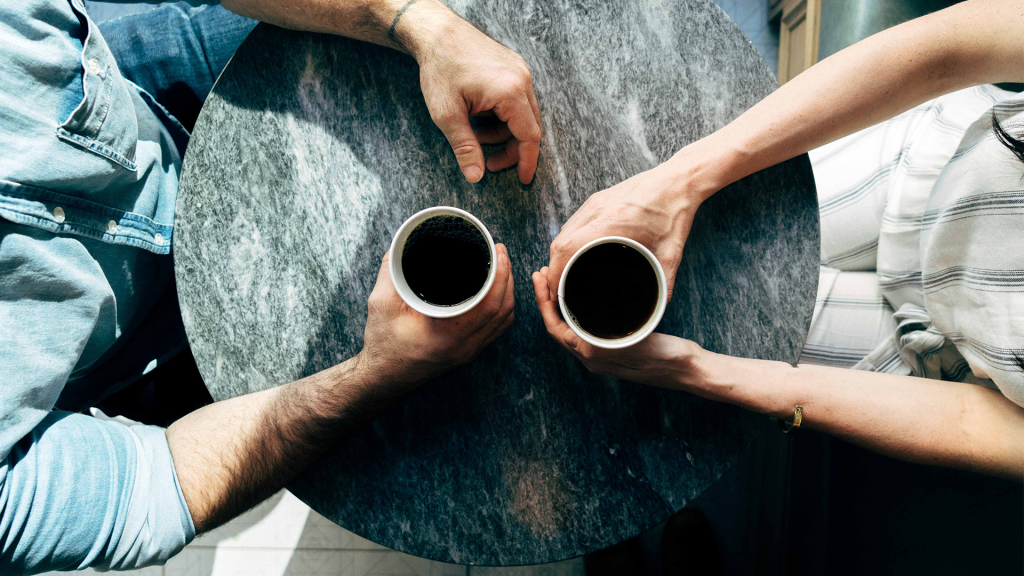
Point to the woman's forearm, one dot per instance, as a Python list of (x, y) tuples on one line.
[(942, 423), (916, 419), (976, 42)]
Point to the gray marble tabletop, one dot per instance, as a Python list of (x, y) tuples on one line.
[(313, 149)]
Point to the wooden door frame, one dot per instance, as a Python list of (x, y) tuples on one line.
[(790, 13)]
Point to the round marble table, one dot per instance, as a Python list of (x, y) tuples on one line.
[(313, 149)]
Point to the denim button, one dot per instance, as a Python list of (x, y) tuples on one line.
[(112, 227), (94, 66), (159, 238), (58, 214)]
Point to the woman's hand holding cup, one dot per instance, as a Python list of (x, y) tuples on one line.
[(659, 359), (656, 209), (652, 208)]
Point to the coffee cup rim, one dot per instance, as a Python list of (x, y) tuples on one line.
[(652, 322), (398, 276)]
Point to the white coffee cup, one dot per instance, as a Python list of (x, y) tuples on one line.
[(398, 277), (652, 322)]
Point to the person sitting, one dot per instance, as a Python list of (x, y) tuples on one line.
[(90, 158), (922, 260)]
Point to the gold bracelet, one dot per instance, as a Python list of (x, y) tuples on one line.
[(798, 415)]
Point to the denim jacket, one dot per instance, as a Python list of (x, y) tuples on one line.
[(84, 151), (89, 168)]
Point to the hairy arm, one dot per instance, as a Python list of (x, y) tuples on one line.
[(231, 455), (367, 20)]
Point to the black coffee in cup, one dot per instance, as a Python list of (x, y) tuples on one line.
[(611, 291), (446, 260)]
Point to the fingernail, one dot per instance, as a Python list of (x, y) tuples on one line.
[(473, 173)]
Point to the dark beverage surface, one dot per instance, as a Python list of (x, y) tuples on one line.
[(611, 290), (446, 260)]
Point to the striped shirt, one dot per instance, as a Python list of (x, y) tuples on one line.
[(922, 222)]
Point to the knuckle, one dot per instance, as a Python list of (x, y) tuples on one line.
[(464, 149), (444, 116), (436, 114), (375, 301), (511, 86), (525, 78), (515, 83), (491, 309), (533, 133)]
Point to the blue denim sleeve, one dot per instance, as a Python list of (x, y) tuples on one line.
[(74, 491), (80, 492)]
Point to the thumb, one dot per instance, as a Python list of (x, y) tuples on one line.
[(670, 264), (467, 149), (670, 280)]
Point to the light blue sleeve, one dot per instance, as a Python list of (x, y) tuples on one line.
[(80, 492), (74, 491)]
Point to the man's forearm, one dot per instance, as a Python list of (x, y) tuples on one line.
[(231, 455), (968, 44), (399, 24), (928, 421)]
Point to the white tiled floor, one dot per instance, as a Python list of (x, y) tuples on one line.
[(283, 537)]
